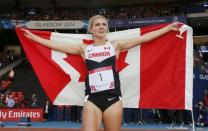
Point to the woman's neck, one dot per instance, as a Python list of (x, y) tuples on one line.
[(98, 42)]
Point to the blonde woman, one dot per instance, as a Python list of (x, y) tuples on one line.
[(102, 94)]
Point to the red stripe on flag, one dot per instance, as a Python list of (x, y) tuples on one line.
[(162, 83)]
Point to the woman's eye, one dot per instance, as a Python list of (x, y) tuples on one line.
[(97, 24)]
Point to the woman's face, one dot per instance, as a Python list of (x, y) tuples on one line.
[(99, 28)]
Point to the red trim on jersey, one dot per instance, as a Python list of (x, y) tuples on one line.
[(100, 69)]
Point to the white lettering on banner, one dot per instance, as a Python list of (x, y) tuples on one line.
[(99, 54), (203, 77), (48, 24), (55, 24), (13, 114), (147, 21), (3, 114)]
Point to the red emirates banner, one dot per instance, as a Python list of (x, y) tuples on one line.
[(16, 114)]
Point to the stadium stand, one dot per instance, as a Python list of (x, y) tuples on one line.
[(22, 87)]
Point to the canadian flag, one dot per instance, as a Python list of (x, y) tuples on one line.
[(157, 74)]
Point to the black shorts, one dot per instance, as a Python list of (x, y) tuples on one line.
[(103, 101)]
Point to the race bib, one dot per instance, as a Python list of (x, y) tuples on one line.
[(101, 79)]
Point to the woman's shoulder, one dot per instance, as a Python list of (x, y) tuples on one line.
[(113, 43), (85, 46)]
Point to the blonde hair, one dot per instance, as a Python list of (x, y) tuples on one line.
[(92, 19)]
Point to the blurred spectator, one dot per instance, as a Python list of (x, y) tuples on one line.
[(11, 75), (2, 105), (27, 102), (5, 82), (22, 103), (33, 97), (202, 114), (10, 102), (47, 111), (76, 112), (34, 103), (205, 99), (67, 113), (60, 112), (201, 57), (157, 116), (131, 115), (7, 58), (176, 117)]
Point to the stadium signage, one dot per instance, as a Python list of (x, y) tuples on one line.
[(133, 23), (55, 24), (203, 77), (82, 24), (16, 114)]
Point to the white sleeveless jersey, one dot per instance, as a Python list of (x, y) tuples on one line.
[(101, 66)]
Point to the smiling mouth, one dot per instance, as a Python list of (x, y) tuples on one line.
[(101, 31)]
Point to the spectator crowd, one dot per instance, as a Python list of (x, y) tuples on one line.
[(11, 99), (7, 58), (125, 12), (201, 57)]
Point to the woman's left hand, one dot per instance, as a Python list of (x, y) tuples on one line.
[(174, 26)]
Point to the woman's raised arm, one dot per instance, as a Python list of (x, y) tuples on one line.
[(130, 43), (76, 49)]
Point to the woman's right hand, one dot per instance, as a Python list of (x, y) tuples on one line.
[(27, 33)]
